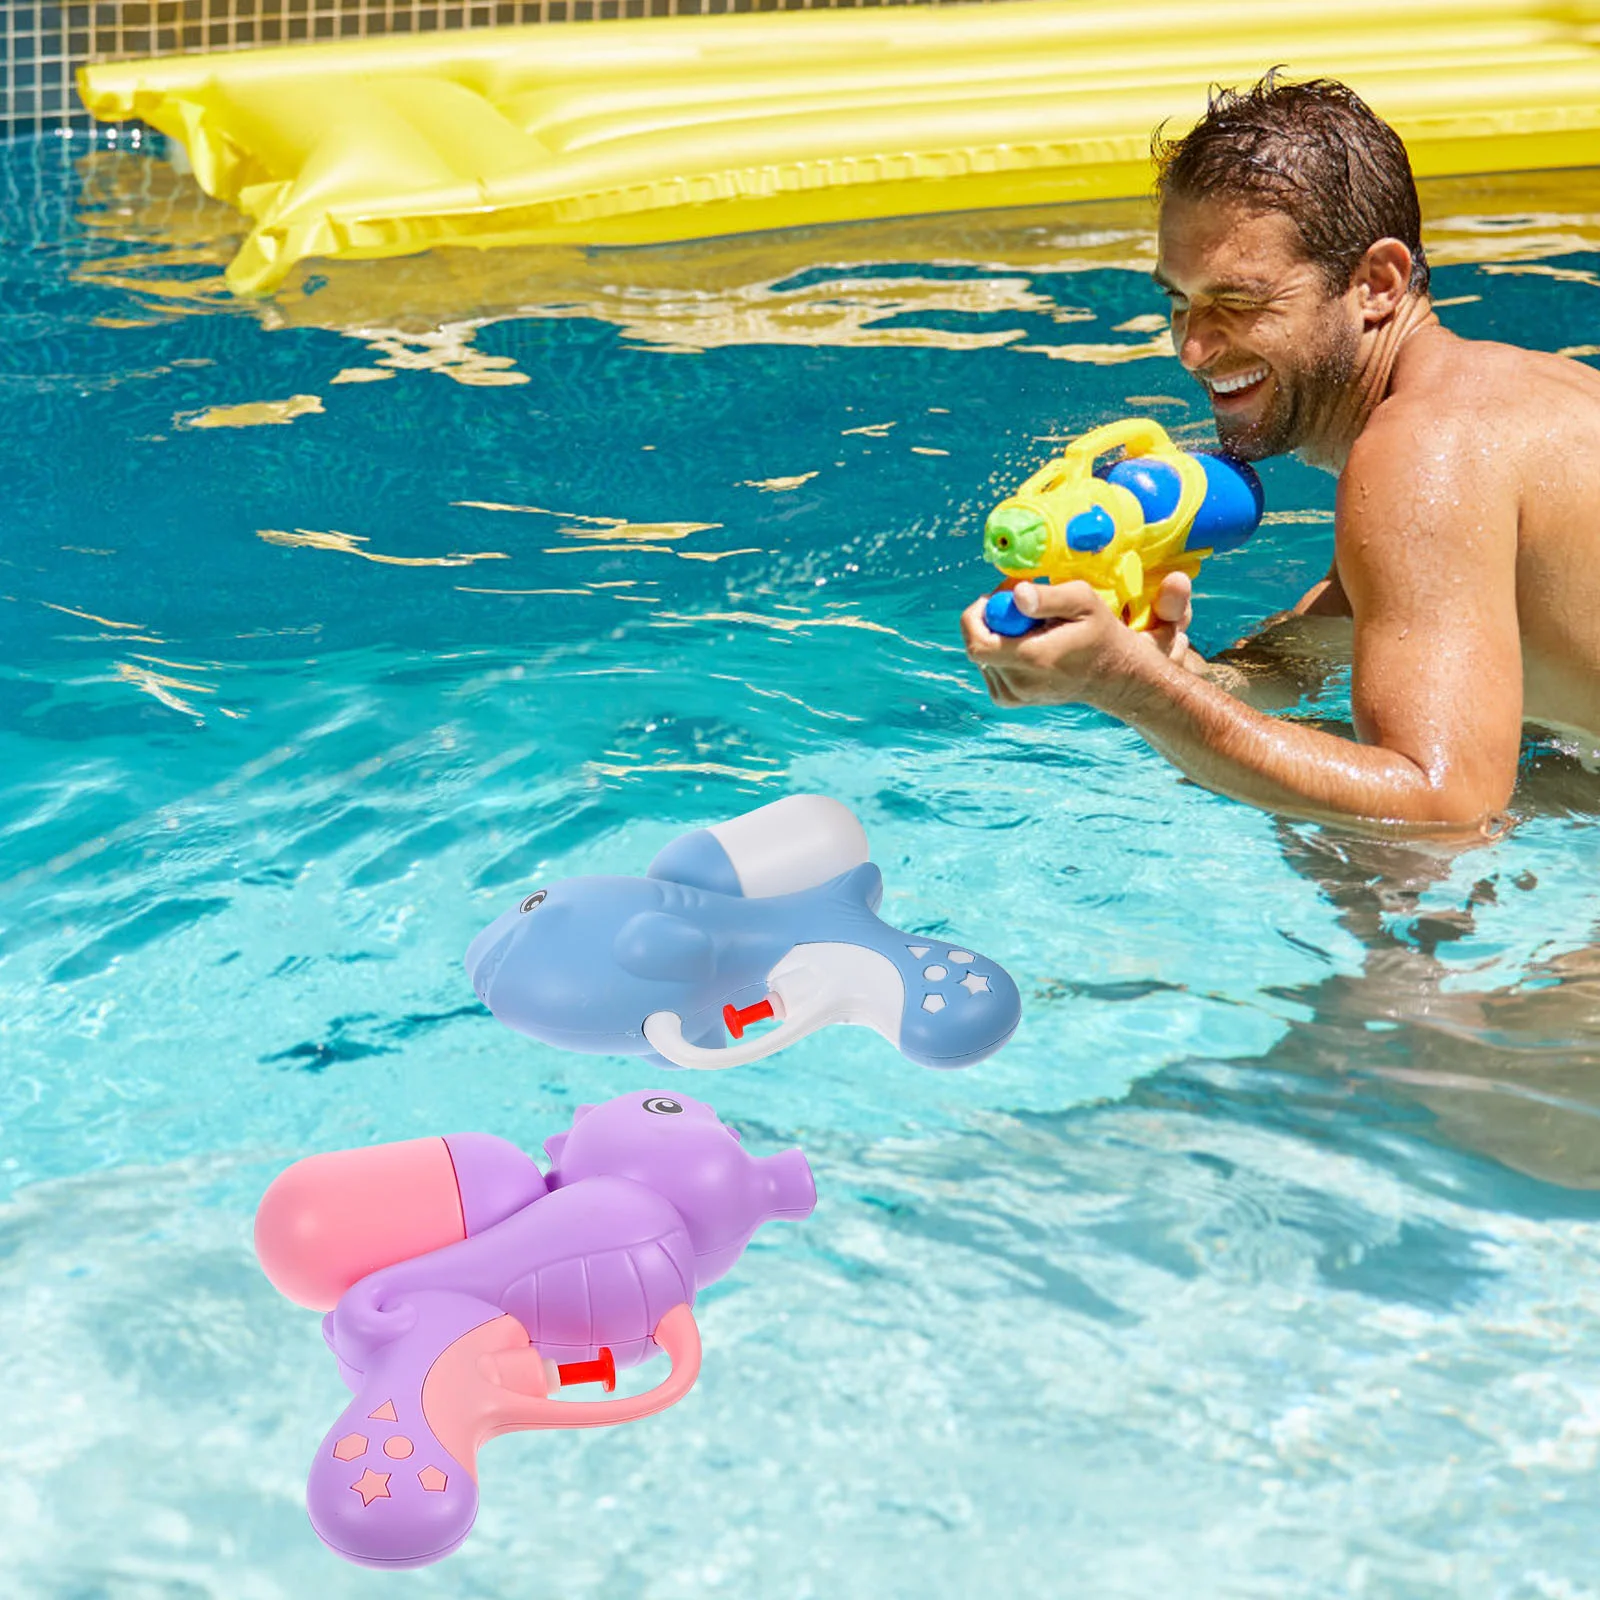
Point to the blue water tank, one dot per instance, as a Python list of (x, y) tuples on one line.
[(1229, 514), (1154, 484), (1232, 508)]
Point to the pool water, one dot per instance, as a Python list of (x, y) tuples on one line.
[(1262, 1262)]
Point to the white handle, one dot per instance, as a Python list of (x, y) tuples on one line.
[(664, 1030), (814, 985)]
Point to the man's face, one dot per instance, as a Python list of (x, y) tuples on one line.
[(1252, 319)]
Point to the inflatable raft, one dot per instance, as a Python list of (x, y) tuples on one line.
[(625, 133)]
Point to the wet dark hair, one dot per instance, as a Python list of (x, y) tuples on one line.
[(1314, 151)]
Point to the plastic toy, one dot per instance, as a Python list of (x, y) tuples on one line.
[(465, 1287), (655, 130), (1120, 529), (768, 915)]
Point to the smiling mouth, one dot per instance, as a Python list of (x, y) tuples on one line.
[(1237, 384)]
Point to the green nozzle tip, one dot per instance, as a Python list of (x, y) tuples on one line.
[(1014, 538)]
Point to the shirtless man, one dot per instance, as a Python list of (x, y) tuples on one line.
[(1467, 522)]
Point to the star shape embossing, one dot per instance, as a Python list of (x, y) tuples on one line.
[(975, 983), (372, 1486)]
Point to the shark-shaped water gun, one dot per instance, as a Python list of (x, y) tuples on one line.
[(463, 1287), (1123, 528), (769, 915)]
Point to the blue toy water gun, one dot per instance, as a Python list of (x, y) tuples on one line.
[(1121, 529), (769, 915)]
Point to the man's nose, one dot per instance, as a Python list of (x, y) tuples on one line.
[(1200, 342)]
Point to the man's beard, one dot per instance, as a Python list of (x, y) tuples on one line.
[(1300, 399)]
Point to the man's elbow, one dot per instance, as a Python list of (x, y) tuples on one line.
[(1456, 800)]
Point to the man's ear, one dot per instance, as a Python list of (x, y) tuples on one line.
[(1382, 279)]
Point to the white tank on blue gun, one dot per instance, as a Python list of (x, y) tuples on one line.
[(770, 914)]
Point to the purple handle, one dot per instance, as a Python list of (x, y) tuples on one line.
[(384, 1491)]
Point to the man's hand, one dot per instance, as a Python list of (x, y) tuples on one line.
[(1081, 653), (1174, 611)]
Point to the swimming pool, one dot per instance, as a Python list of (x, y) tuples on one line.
[(1262, 1262)]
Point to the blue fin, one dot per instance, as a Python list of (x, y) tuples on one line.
[(698, 860), (656, 944), (861, 885)]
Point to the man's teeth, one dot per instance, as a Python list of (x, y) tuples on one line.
[(1240, 380)]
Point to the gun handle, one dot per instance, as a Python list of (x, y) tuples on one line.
[(395, 1483), (1001, 615), (813, 986), (1141, 609), (391, 1485), (1139, 436)]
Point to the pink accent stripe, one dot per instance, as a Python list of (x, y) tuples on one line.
[(461, 1204)]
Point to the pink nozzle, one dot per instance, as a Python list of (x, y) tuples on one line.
[(330, 1219)]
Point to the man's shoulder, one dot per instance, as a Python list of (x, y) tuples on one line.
[(1438, 388), (1465, 410), (1416, 436), (1444, 386), (1421, 460)]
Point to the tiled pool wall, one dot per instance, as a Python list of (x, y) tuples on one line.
[(42, 46)]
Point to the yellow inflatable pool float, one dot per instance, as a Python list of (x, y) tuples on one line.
[(625, 133)]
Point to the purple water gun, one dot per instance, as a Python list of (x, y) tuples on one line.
[(462, 1287)]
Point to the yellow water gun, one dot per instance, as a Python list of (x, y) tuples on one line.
[(1120, 529)]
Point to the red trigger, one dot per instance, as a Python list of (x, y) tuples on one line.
[(602, 1370), (737, 1021)]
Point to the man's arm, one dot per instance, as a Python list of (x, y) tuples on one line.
[(1426, 544), (1290, 655)]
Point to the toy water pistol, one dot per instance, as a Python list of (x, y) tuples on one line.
[(1122, 528), (769, 915), (463, 1287)]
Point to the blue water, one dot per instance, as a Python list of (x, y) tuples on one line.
[(1261, 1263)]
